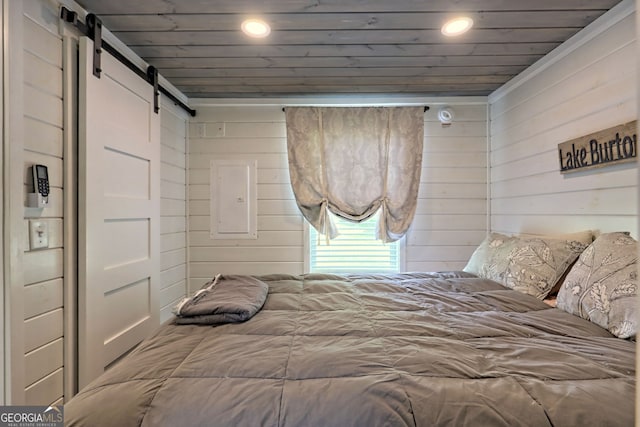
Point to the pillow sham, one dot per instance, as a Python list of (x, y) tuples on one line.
[(602, 285), (584, 236), (529, 265)]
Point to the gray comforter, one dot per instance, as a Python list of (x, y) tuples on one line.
[(403, 350)]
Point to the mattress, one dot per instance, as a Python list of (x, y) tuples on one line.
[(413, 349)]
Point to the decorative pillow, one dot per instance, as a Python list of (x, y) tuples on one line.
[(584, 236), (602, 285), (529, 265)]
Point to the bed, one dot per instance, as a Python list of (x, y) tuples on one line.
[(409, 349)]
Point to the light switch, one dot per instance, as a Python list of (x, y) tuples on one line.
[(38, 234)]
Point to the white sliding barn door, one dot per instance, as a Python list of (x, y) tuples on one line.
[(119, 212)]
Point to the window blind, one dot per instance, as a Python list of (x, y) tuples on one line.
[(355, 250)]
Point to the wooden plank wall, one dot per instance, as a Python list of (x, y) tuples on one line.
[(249, 133), (450, 222), (451, 218), (173, 193), (43, 292), (589, 89)]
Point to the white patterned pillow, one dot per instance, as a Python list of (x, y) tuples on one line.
[(602, 285), (584, 236), (529, 265)]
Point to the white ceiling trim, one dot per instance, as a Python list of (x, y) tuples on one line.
[(339, 101)]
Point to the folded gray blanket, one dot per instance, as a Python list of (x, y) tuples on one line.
[(225, 299)]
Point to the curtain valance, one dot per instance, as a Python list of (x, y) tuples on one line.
[(354, 161)]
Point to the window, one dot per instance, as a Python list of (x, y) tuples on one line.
[(355, 250)]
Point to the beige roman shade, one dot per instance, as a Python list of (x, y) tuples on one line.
[(354, 161)]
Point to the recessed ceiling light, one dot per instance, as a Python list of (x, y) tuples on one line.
[(255, 28), (457, 26)]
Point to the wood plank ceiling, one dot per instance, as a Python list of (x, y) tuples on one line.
[(342, 46)]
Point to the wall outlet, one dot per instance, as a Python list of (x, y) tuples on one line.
[(38, 234)]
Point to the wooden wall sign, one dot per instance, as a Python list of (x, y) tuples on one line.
[(610, 146)]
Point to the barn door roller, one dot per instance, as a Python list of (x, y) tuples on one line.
[(152, 76), (93, 30)]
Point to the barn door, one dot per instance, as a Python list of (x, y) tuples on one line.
[(119, 205)]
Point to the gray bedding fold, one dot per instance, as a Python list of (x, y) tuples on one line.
[(225, 299)]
